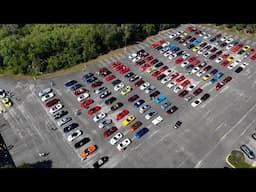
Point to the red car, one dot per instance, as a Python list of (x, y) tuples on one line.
[(122, 114), (195, 62), (154, 74), (110, 77), (203, 44), (224, 63), (114, 64), (109, 132), (93, 110), (197, 91), (192, 59), (251, 50), (124, 70), (160, 77), (154, 61), (181, 78), (237, 47), (79, 91), (179, 60), (86, 103), (207, 68), (96, 84), (52, 102), (149, 58), (219, 85), (227, 79), (183, 93), (157, 43), (133, 98), (218, 35), (174, 75), (225, 55), (145, 66), (185, 83), (162, 69), (253, 57), (139, 83), (118, 68), (189, 28)]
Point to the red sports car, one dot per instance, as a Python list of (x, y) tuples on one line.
[(124, 70), (145, 66), (118, 68), (179, 60), (181, 78), (219, 85), (122, 114), (79, 91), (227, 79), (139, 83), (133, 98), (183, 93), (224, 63), (93, 110), (253, 57), (237, 47), (162, 69), (192, 59), (154, 74), (174, 75), (110, 77), (52, 102), (185, 83), (195, 62), (109, 132), (86, 103), (96, 84), (114, 64), (225, 55), (149, 58), (197, 91)]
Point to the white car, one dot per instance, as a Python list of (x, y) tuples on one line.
[(99, 116), (219, 59), (2, 94), (229, 46), (190, 87), (229, 40), (184, 64), (188, 98), (150, 89), (44, 92), (207, 36), (172, 35), (150, 115), (233, 64), (185, 56), (244, 65), (116, 138), (135, 59), (100, 90), (74, 135), (105, 123), (165, 80), (132, 56), (144, 86), (167, 53), (195, 70), (207, 54), (165, 44), (171, 84), (83, 97), (177, 89), (223, 38), (47, 96), (55, 108), (167, 72), (63, 121), (119, 86), (172, 56), (200, 73), (157, 120), (196, 102), (123, 145), (144, 108)]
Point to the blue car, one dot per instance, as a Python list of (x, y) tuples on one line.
[(75, 87), (138, 103), (172, 46), (87, 76), (165, 49), (213, 39), (141, 132), (213, 80), (218, 75), (166, 104), (159, 99), (92, 79), (176, 49), (70, 83), (214, 71), (159, 47), (190, 66), (197, 41)]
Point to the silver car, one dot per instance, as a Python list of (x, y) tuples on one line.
[(63, 121), (44, 92), (144, 108)]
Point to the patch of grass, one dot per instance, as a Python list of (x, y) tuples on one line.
[(238, 163)]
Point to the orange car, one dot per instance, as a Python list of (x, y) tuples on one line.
[(85, 153), (135, 126)]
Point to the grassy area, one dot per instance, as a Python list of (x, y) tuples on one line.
[(232, 31), (238, 164)]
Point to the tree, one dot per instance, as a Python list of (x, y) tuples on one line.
[(25, 165), (240, 27), (237, 156)]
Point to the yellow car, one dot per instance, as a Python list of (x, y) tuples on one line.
[(150, 69), (206, 77), (126, 90), (129, 119), (183, 35), (196, 48), (7, 102), (245, 48), (230, 58)]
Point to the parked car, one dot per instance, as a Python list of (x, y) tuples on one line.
[(141, 132), (100, 162), (86, 103)]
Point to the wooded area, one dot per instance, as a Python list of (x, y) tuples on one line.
[(44, 48)]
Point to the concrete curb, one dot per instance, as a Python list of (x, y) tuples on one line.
[(229, 162)]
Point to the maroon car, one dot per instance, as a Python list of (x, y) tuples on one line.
[(133, 98)]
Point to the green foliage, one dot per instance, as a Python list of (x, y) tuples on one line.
[(42, 48)]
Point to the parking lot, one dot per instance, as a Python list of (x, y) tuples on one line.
[(207, 135)]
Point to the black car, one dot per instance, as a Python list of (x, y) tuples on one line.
[(105, 94), (177, 38), (87, 76), (180, 53), (100, 162), (223, 44), (76, 86), (213, 39), (116, 82), (141, 51), (212, 57), (205, 96), (154, 94), (176, 49), (172, 109), (82, 142), (116, 106), (192, 39), (239, 69), (59, 114), (159, 47), (130, 74), (254, 136), (96, 84), (91, 79), (105, 73), (70, 127), (177, 124), (134, 78), (110, 100), (158, 64), (241, 52), (160, 77), (190, 46), (247, 151)]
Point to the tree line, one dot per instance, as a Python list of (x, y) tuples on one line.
[(44, 48)]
